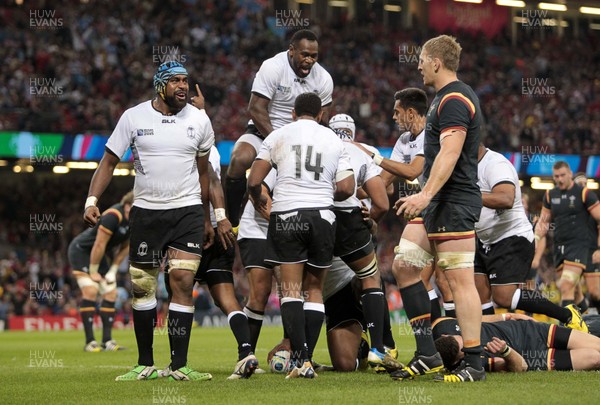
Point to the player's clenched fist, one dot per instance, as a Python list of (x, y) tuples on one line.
[(91, 216)]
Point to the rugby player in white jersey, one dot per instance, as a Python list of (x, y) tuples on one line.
[(505, 245), (313, 169), (252, 243), (353, 240), (278, 82), (171, 142)]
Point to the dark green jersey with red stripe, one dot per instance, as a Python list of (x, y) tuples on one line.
[(112, 222), (571, 214), (455, 106)]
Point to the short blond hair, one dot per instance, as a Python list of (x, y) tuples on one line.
[(446, 49), (127, 198)]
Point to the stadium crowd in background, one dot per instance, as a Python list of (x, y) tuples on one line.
[(103, 58), (104, 64)]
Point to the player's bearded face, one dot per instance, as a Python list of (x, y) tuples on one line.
[(303, 56), (176, 92)]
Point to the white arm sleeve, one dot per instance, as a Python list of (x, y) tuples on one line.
[(266, 79), (121, 137)]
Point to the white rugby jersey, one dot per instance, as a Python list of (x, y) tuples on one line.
[(252, 224), (495, 225), (372, 149), (364, 170), (307, 157), (164, 149), (407, 148), (215, 161), (337, 277), (277, 81)]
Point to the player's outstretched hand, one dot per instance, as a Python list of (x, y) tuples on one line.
[(97, 277), (198, 101), (283, 345), (413, 205), (91, 216), (495, 346), (262, 205), (225, 233)]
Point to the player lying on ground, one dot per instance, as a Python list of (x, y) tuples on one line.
[(521, 344)]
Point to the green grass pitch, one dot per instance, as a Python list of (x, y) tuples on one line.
[(51, 368)]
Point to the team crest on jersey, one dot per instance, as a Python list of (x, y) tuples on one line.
[(362, 173), (145, 132), (191, 133), (431, 108), (571, 201), (142, 249), (283, 89)]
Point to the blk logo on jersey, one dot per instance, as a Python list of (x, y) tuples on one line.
[(193, 245), (168, 121)]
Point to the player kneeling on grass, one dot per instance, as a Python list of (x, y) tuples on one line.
[(521, 344), (345, 321), (89, 255)]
